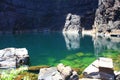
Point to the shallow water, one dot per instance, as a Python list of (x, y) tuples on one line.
[(70, 49)]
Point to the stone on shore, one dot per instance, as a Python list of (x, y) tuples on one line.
[(13, 57), (72, 24), (49, 74), (60, 72), (101, 68)]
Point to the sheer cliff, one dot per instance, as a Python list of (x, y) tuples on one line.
[(107, 18), (38, 15)]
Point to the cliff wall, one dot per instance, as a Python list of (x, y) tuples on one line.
[(38, 15), (107, 18)]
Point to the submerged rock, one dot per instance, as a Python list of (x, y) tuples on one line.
[(13, 57), (60, 72)]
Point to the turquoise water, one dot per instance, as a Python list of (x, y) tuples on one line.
[(53, 48)]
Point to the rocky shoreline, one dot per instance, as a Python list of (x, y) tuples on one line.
[(100, 69)]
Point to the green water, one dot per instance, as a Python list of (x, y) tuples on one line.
[(53, 48)]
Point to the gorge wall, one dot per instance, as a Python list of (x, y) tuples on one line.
[(38, 15), (107, 18)]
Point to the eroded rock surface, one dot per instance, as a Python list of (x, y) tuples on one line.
[(107, 16), (13, 57), (101, 68), (60, 72), (72, 24)]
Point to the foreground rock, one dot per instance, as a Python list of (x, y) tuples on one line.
[(100, 69), (60, 72), (13, 57), (72, 24), (88, 79)]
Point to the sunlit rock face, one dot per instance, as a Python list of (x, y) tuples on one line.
[(72, 40), (101, 44), (72, 24), (107, 16), (37, 15), (13, 57)]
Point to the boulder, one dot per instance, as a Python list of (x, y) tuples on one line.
[(13, 57), (49, 74), (117, 75), (60, 72), (60, 67), (72, 24), (101, 68)]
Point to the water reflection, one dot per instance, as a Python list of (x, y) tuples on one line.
[(101, 44), (50, 48), (72, 41)]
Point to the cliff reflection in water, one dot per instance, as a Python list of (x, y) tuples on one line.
[(53, 48), (72, 40), (101, 44)]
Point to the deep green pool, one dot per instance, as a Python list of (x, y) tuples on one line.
[(53, 48)]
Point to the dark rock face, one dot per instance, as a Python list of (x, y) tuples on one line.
[(102, 69), (107, 16), (118, 77), (37, 15)]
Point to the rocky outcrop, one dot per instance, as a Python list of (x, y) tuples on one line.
[(24, 16), (107, 18), (60, 72), (13, 57), (72, 24), (36, 15)]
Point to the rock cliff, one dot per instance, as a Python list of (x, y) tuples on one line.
[(107, 18), (38, 15), (72, 24)]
